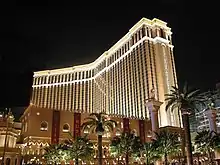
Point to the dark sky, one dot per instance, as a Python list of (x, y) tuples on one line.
[(37, 37)]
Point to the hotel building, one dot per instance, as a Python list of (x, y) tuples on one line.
[(118, 83), (201, 119)]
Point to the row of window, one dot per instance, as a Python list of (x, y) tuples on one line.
[(64, 77), (44, 126), (142, 32), (127, 91), (122, 84), (124, 81)]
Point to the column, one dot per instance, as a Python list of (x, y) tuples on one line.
[(211, 114), (55, 133), (153, 106), (76, 125), (12, 161), (142, 130), (126, 125)]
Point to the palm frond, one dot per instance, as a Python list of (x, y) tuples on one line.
[(175, 88), (98, 121), (90, 118), (98, 116), (108, 126), (88, 124), (192, 93), (185, 87), (170, 103)]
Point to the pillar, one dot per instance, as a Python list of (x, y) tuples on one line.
[(126, 127), (55, 133), (153, 106), (211, 114), (12, 161), (142, 130), (77, 125)]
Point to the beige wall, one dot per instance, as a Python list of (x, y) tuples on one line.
[(34, 122)]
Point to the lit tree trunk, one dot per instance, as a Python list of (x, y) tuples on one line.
[(126, 159), (188, 143), (165, 159), (99, 149), (147, 161), (210, 156), (76, 161)]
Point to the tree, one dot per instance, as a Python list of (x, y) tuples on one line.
[(80, 148), (185, 100), (207, 141), (151, 152), (99, 123), (166, 143), (56, 153), (127, 144)]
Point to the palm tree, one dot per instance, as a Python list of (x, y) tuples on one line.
[(56, 153), (151, 152), (115, 151), (80, 148), (207, 141), (126, 144), (99, 123), (166, 143), (186, 101)]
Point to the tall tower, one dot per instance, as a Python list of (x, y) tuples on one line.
[(118, 81)]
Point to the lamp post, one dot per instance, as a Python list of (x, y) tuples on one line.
[(9, 119)]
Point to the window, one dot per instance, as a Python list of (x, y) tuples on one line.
[(118, 132), (162, 33), (66, 127), (143, 32), (44, 126), (8, 160), (25, 126)]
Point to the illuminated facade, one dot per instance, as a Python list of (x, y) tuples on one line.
[(10, 144), (203, 121), (118, 83)]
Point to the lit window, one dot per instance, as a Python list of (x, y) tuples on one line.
[(118, 132), (44, 126), (66, 127)]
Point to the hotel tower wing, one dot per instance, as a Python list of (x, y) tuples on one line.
[(118, 83)]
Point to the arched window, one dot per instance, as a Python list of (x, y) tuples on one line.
[(162, 33), (66, 127), (8, 160), (105, 152), (43, 126)]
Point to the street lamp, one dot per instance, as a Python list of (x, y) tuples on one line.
[(9, 120)]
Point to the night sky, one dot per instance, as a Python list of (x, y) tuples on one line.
[(60, 35)]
